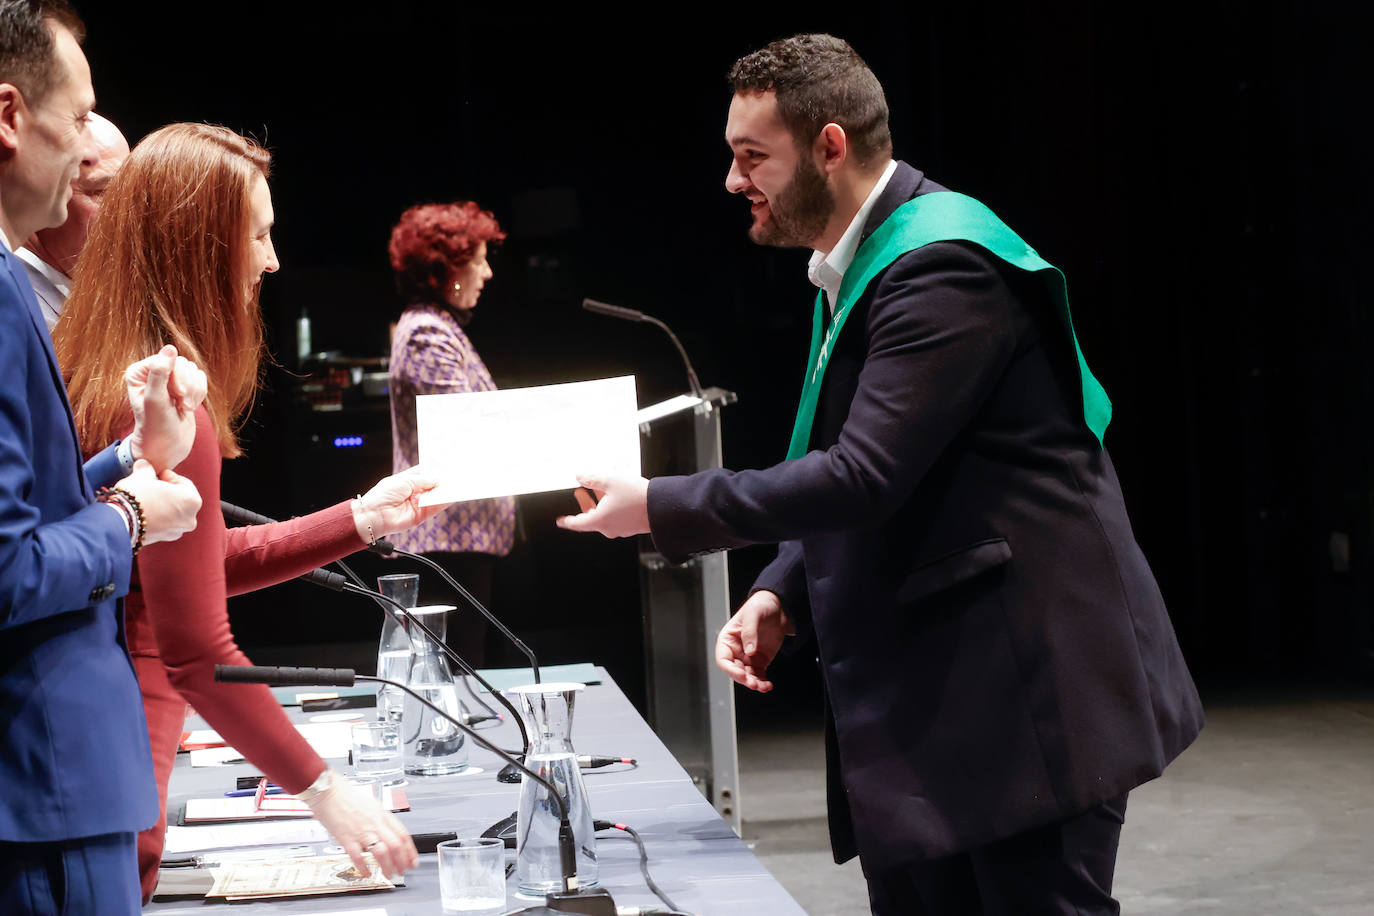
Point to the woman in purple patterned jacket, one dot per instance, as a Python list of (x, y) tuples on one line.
[(439, 253)]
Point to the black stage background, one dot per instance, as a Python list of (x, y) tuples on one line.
[(1198, 172)]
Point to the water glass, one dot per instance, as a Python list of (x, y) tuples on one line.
[(393, 651), (370, 786), (403, 588), (472, 876), (377, 751)]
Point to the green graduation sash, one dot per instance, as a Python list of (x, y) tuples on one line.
[(942, 216)]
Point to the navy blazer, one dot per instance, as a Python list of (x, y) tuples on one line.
[(995, 651), (74, 756)]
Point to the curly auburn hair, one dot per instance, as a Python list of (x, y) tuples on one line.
[(430, 241), (819, 79)]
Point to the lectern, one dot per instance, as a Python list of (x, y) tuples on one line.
[(691, 704)]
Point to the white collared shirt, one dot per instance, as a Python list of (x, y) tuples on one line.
[(827, 270), (50, 285)]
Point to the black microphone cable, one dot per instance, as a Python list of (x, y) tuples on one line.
[(598, 826)]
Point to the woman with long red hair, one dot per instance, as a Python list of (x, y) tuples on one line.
[(177, 256)]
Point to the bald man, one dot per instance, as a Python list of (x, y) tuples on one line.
[(50, 255)]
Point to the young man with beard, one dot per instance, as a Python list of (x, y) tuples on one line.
[(999, 666)]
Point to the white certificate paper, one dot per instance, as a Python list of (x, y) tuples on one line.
[(526, 440)]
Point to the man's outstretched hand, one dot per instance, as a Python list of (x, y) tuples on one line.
[(621, 510), (749, 641)]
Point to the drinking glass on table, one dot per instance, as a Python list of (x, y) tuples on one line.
[(393, 651), (377, 751), (472, 876)]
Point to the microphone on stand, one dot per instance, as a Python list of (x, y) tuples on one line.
[(338, 583), (346, 677), (452, 655), (618, 311), (475, 604), (507, 773), (411, 619), (387, 549), (278, 676)]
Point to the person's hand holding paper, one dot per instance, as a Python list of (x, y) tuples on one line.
[(621, 510), (526, 440), (394, 504)]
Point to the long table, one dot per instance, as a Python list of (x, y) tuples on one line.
[(694, 856)]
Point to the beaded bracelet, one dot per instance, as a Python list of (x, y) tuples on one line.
[(129, 506), (138, 511), (124, 513), (132, 510)]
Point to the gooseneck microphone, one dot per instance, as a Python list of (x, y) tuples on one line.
[(619, 311), (477, 605), (457, 659), (387, 549), (338, 583), (276, 676), (345, 677)]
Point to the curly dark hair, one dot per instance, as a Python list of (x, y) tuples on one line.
[(430, 240), (819, 79)]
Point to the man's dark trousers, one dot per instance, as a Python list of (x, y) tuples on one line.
[(1062, 868)]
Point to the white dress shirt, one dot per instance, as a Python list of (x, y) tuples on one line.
[(50, 285), (827, 270)]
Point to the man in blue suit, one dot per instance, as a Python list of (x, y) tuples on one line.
[(999, 666), (76, 781)]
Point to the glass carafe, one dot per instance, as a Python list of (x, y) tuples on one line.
[(431, 745), (548, 710), (393, 652)]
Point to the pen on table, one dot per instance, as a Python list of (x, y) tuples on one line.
[(191, 862), (244, 793)]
